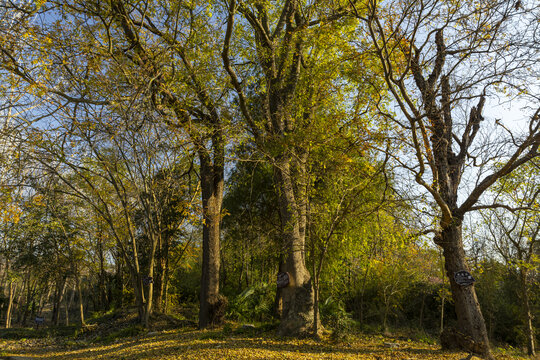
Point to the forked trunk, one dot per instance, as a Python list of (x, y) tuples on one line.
[(471, 333)]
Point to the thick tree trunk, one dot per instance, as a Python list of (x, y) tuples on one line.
[(297, 309), (212, 304), (471, 333)]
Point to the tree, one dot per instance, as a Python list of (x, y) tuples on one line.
[(251, 230), (514, 233), (347, 190), (281, 96), (438, 59), (83, 59), (121, 166)]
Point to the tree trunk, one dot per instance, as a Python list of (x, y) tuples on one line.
[(103, 303), (44, 298), (278, 301), (441, 319), (159, 275), (138, 289), (211, 303), (30, 292), (166, 285), (316, 318), (79, 293), (527, 314), (297, 314), (119, 282), (69, 302), (149, 298), (471, 333), (11, 296), (18, 303), (58, 296)]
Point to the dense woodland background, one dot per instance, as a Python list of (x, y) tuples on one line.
[(173, 157)]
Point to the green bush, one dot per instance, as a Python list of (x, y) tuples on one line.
[(334, 316), (253, 304)]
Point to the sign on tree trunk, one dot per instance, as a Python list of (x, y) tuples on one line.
[(463, 278), (282, 279)]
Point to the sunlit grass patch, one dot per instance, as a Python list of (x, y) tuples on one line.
[(219, 344)]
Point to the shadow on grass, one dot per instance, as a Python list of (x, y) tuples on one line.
[(196, 343), (42, 332)]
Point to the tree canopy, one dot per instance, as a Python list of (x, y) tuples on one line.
[(163, 154)]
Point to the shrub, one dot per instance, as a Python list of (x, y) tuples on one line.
[(334, 316), (253, 304)]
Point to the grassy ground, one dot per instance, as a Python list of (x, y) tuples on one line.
[(232, 342)]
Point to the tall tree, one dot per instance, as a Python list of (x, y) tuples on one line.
[(282, 93), (109, 54), (439, 58)]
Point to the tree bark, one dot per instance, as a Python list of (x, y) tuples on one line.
[(58, 296), (79, 293), (30, 289), (104, 304), (297, 309), (140, 300), (316, 318), (11, 296), (166, 285), (119, 281), (68, 303), (159, 275), (278, 300), (527, 313), (471, 332), (212, 181), (154, 238)]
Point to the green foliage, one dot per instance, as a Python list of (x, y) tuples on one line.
[(253, 304), (334, 316), (186, 282)]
